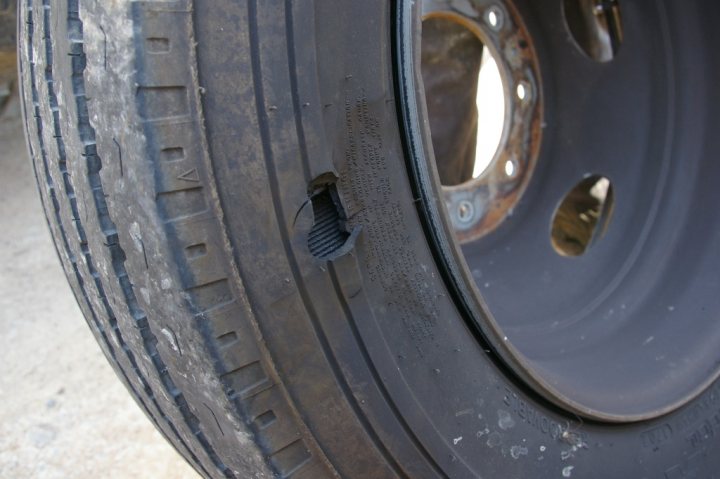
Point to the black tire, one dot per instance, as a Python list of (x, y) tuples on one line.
[(227, 189)]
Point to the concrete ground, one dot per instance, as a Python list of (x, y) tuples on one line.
[(63, 412)]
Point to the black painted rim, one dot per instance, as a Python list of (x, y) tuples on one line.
[(640, 341)]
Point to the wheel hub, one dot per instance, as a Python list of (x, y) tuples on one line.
[(451, 35), (584, 255)]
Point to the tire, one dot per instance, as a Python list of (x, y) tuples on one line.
[(227, 187)]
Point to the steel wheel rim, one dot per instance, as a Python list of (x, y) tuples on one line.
[(579, 384)]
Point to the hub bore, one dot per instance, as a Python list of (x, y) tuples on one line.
[(453, 41)]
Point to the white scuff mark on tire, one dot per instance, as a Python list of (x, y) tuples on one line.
[(494, 440), (517, 451), (457, 440), (505, 420), (145, 293), (171, 339), (136, 236), (567, 471)]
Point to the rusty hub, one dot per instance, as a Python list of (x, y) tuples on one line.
[(478, 205)]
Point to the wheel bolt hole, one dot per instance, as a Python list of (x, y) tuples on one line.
[(523, 91), (583, 216), (466, 211), (511, 168), (494, 18), (596, 27)]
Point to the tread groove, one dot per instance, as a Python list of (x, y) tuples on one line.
[(291, 458), (327, 211), (87, 136), (274, 188), (62, 237), (94, 165)]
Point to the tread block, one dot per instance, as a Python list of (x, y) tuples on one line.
[(270, 414), (162, 102), (264, 420), (206, 296), (162, 40), (195, 250), (227, 339), (176, 205), (236, 348), (291, 458), (176, 176), (247, 380), (203, 252), (223, 319), (242, 351), (206, 268), (172, 154), (157, 45)]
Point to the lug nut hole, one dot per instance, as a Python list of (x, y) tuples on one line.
[(583, 216)]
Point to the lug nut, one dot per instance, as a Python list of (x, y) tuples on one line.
[(494, 18), (466, 211)]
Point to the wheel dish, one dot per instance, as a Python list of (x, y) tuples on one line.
[(589, 264)]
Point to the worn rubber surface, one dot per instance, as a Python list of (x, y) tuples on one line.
[(226, 186)]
